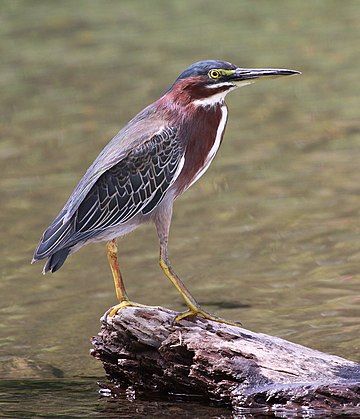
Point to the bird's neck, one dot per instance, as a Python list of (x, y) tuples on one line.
[(192, 94), (201, 125)]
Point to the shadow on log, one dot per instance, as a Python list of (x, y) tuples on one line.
[(144, 349)]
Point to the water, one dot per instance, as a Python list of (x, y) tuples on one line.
[(270, 236), (77, 398)]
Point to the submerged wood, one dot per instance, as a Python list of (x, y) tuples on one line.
[(142, 348)]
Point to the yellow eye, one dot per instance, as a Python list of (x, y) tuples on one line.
[(214, 74)]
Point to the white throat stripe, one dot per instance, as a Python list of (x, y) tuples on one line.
[(215, 86), (214, 99)]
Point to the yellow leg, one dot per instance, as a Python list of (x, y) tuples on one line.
[(111, 252), (193, 305), (112, 255)]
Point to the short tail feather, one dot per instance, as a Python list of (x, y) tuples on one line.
[(56, 260), (54, 245)]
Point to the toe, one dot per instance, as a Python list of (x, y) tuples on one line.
[(206, 315)]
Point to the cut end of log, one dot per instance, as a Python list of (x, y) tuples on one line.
[(145, 349)]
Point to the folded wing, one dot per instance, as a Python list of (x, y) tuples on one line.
[(135, 184)]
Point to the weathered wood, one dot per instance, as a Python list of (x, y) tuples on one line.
[(143, 348)]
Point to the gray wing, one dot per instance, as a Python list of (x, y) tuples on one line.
[(135, 184), (140, 129)]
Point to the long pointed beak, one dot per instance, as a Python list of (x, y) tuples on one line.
[(246, 75)]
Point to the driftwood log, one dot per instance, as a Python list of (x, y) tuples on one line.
[(145, 350)]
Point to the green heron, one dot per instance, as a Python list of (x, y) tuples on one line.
[(156, 157)]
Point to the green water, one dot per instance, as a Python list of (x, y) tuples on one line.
[(269, 236)]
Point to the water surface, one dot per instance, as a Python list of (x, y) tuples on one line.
[(269, 236)]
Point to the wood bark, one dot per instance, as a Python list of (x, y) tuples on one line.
[(142, 348)]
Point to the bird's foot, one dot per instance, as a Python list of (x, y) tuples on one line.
[(126, 303), (200, 312)]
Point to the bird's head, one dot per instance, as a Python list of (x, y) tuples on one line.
[(208, 82)]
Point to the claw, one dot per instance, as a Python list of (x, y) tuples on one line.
[(126, 303), (206, 315)]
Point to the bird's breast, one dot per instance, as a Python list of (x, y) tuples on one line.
[(202, 135)]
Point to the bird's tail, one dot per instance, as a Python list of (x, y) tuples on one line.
[(56, 260), (54, 245)]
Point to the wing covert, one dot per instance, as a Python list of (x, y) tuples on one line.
[(137, 183)]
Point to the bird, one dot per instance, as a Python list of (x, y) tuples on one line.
[(154, 159)]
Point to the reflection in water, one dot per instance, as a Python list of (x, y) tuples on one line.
[(75, 398), (269, 236)]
